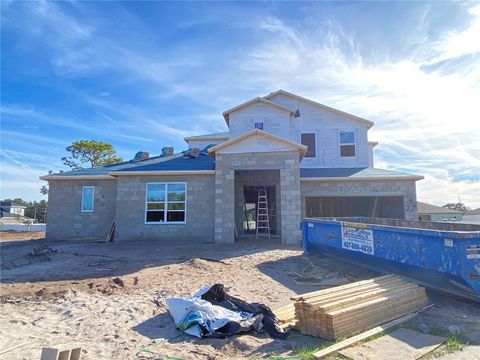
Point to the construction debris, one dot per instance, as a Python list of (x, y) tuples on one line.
[(43, 250), (211, 312), (347, 310), (61, 353)]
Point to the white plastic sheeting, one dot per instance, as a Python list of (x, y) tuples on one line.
[(194, 315)]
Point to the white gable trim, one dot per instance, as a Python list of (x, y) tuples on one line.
[(364, 178), (76, 177), (163, 172), (317, 104), (226, 114), (256, 133)]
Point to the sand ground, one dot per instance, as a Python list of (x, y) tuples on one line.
[(110, 298)]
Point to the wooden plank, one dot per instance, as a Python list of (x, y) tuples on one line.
[(363, 297), (400, 344), (393, 295), (357, 338), (377, 307), (373, 321), (339, 288), (347, 288), (13, 348), (350, 292), (358, 322), (354, 321)]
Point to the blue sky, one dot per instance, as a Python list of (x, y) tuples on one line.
[(143, 75)]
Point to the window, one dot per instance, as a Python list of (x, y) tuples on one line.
[(259, 125), (165, 203), (308, 139), (347, 143), (87, 198)]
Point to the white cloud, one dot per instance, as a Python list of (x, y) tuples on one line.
[(19, 179), (424, 105), (455, 44), (426, 122)]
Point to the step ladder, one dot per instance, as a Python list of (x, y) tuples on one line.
[(263, 222)]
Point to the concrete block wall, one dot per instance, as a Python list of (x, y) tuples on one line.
[(404, 188), (288, 164), (200, 207), (65, 219)]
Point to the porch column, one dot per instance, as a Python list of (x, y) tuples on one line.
[(290, 202), (224, 201)]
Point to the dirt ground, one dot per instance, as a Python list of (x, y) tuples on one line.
[(110, 298)]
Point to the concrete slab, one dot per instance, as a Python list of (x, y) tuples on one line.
[(401, 344), (471, 352)]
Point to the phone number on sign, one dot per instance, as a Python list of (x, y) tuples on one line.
[(357, 247)]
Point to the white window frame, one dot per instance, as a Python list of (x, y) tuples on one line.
[(315, 137), (165, 209), (340, 144), (93, 199)]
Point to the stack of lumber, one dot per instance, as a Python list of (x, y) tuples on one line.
[(347, 310), (286, 315)]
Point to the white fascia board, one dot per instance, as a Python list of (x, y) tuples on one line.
[(76, 177), (377, 178), (180, 172), (206, 137)]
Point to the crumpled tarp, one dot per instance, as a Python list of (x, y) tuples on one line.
[(211, 312)]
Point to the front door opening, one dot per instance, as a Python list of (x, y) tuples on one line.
[(250, 208)]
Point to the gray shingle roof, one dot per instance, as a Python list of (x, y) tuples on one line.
[(220, 135), (351, 173), (181, 163), (424, 208), (473, 212), (176, 162)]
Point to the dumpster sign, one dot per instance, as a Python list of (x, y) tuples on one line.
[(354, 239)]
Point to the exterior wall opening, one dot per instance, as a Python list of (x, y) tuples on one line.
[(251, 211), (369, 206), (247, 185)]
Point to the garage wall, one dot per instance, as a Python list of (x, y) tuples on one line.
[(406, 189)]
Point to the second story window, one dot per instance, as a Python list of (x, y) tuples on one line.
[(308, 139), (259, 125), (347, 144)]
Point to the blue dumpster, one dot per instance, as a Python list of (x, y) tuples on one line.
[(443, 256)]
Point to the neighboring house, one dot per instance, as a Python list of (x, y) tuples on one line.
[(313, 160), (10, 209), (428, 212), (472, 216)]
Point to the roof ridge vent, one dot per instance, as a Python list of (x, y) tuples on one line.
[(141, 155), (192, 153)]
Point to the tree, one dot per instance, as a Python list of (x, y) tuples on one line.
[(36, 210), (457, 206), (44, 188), (96, 153)]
